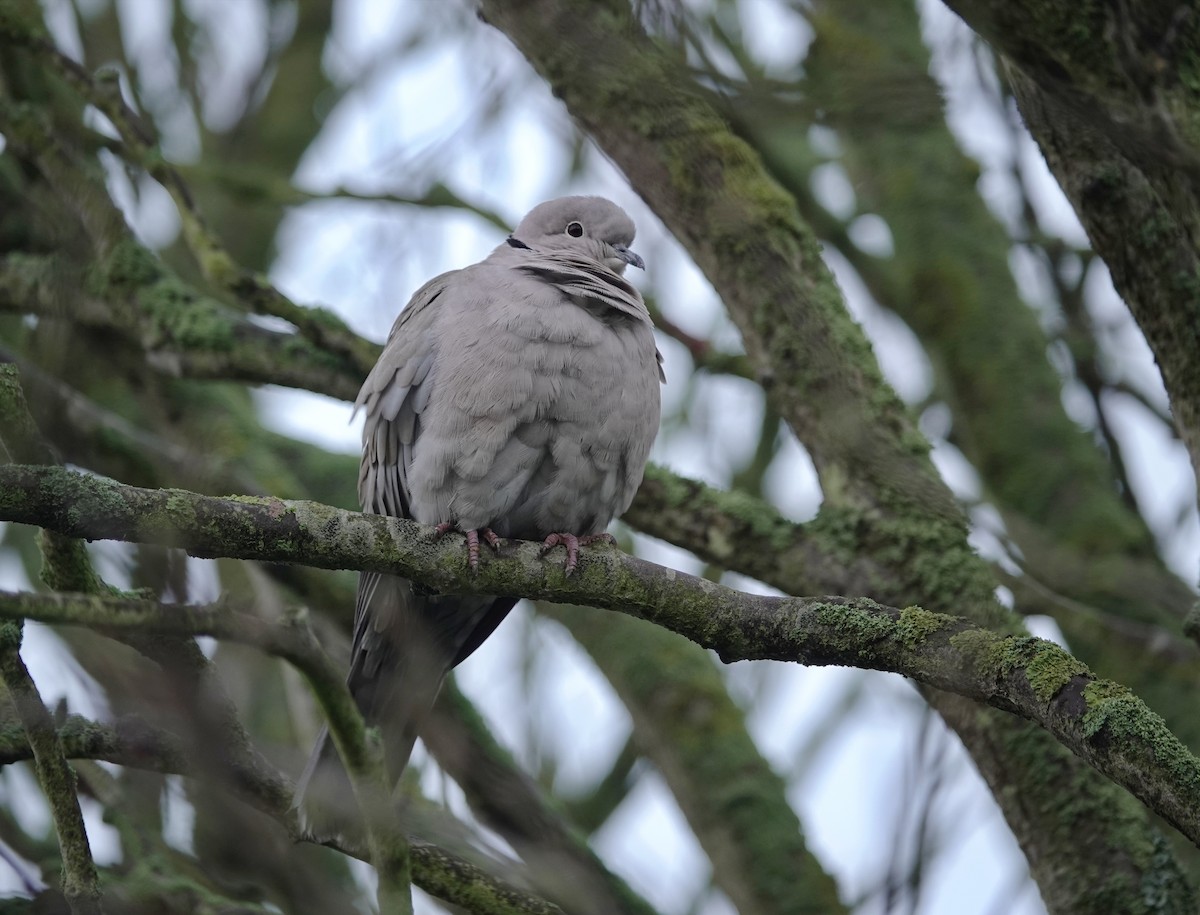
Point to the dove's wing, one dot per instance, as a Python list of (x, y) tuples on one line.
[(393, 398), (405, 641)]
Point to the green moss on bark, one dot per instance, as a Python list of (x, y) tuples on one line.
[(916, 624)]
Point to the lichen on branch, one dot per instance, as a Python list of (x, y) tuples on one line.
[(1099, 720)]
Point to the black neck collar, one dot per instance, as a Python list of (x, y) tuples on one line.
[(517, 243)]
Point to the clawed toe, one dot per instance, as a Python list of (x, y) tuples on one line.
[(570, 541), (473, 537), (572, 545)]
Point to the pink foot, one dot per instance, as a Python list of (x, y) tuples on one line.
[(573, 543), (489, 537)]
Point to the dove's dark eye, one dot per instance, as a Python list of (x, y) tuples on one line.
[(575, 229)]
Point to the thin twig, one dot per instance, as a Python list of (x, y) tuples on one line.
[(81, 885), (1032, 596), (129, 741)]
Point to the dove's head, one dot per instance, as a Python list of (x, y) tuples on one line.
[(591, 226)]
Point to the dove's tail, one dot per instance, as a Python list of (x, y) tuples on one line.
[(324, 769), (404, 645), (324, 797)]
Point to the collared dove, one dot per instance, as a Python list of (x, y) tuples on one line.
[(517, 397)]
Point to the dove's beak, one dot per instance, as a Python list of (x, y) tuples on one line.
[(630, 257)]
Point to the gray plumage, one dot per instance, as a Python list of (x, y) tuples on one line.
[(520, 395)]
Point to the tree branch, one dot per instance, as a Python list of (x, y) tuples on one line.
[(182, 332), (1099, 720), (733, 801), (1103, 97), (562, 866), (81, 886), (249, 185), (130, 741), (637, 100), (324, 328)]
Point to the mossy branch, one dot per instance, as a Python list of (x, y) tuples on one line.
[(360, 750), (1110, 101), (254, 291), (21, 441), (183, 332), (125, 287), (1099, 720), (635, 97)]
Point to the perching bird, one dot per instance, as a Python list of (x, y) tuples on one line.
[(517, 397)]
